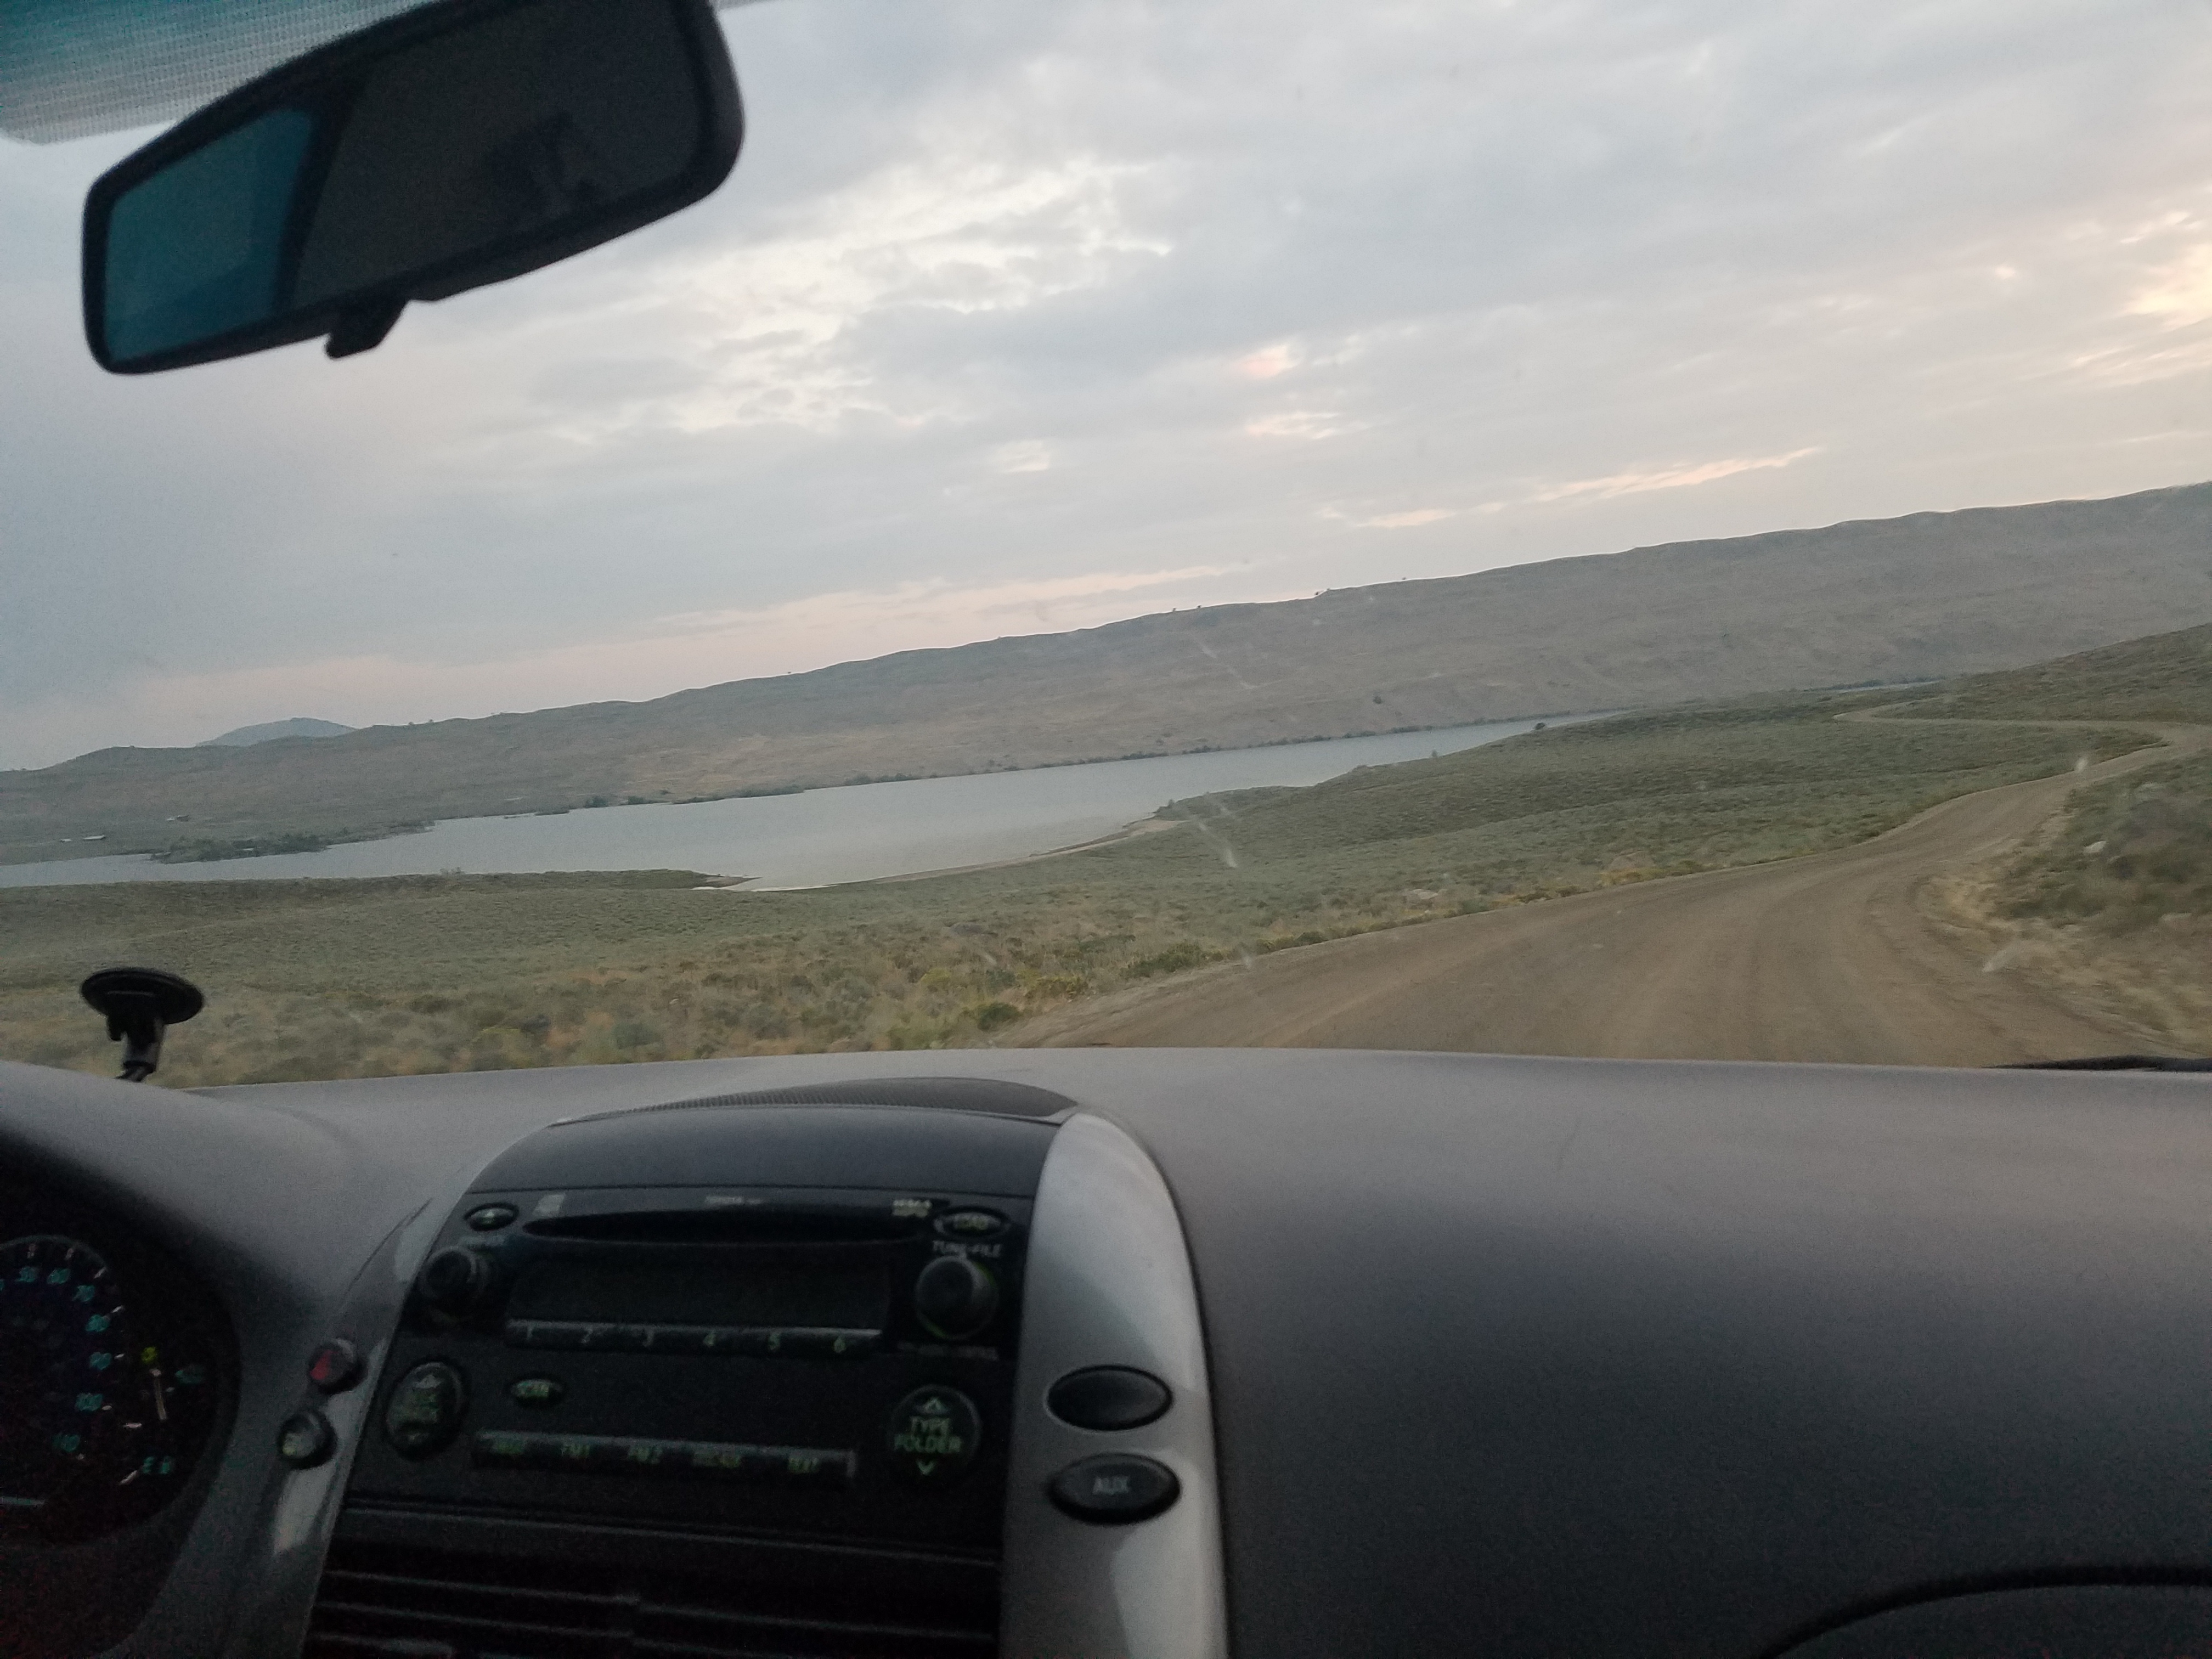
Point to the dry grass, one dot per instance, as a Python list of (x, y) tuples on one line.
[(356, 978), (2110, 904), (2166, 677)]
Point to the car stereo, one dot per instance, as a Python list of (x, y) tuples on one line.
[(787, 1359)]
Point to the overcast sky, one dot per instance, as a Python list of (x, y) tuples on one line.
[(1020, 317)]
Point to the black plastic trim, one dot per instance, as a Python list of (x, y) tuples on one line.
[(721, 134), (989, 1095), (884, 1147), (1938, 1592)]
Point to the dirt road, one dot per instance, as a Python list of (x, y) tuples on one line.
[(1821, 958)]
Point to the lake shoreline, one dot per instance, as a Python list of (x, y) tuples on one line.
[(834, 836), (11, 858)]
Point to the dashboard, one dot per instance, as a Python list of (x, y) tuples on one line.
[(1108, 1353)]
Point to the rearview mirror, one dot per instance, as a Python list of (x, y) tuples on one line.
[(456, 145)]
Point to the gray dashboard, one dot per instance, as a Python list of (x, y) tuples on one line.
[(1515, 1356)]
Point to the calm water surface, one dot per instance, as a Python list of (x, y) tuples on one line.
[(851, 834)]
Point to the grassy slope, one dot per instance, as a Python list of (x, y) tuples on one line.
[(2129, 854), (2112, 903), (2166, 677), (353, 978), (1927, 595)]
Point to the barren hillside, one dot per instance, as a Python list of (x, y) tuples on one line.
[(1923, 597)]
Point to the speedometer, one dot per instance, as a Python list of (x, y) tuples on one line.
[(100, 1420)]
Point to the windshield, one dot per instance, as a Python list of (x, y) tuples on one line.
[(1613, 530)]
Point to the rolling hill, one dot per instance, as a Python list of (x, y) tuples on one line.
[(245, 737), (1925, 597), (333, 978)]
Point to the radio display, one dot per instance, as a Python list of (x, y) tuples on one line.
[(727, 1288)]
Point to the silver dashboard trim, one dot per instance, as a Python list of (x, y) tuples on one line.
[(1109, 1282)]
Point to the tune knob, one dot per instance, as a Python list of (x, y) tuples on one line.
[(455, 1281), (954, 1298)]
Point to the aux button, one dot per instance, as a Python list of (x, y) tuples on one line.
[(1114, 1490)]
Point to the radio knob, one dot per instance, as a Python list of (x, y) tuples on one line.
[(954, 1298), (455, 1281)]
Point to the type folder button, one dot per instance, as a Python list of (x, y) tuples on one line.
[(933, 1435)]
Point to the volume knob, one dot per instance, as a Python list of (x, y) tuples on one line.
[(455, 1281), (954, 1298)]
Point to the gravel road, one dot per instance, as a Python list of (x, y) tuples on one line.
[(1827, 958)]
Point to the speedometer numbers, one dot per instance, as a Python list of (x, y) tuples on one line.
[(101, 1416)]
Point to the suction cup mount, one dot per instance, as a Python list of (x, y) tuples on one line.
[(140, 1004)]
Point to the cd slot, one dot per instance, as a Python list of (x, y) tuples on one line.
[(673, 1301), (732, 1225)]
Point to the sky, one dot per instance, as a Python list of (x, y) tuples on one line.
[(1019, 318)]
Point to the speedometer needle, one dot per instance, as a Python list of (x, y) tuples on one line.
[(160, 1398)]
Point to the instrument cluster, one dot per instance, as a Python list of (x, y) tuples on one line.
[(111, 1378)]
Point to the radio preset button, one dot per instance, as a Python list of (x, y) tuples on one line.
[(808, 1466), (714, 1459), (539, 1393), (558, 1334), (719, 1461), (755, 1342), (629, 1456), (579, 1452), (954, 1298), (493, 1450), (813, 1342), (425, 1410), (785, 1466), (971, 1223), (933, 1435)]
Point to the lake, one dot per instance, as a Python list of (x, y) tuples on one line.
[(849, 834)]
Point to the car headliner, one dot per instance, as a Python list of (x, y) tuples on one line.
[(71, 68)]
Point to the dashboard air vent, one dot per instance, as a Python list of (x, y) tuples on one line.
[(395, 1602)]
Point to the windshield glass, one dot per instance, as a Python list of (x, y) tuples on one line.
[(1657, 531)]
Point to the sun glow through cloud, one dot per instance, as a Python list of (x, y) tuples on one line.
[(1637, 480)]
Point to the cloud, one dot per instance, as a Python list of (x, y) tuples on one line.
[(1637, 480), (774, 330), (1004, 297), (1306, 424), (1056, 602), (1022, 455), (2180, 293), (1406, 521), (1268, 361)]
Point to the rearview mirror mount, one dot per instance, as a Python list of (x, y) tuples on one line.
[(462, 143)]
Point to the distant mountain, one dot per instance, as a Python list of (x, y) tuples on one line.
[(268, 731), (1927, 597)]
